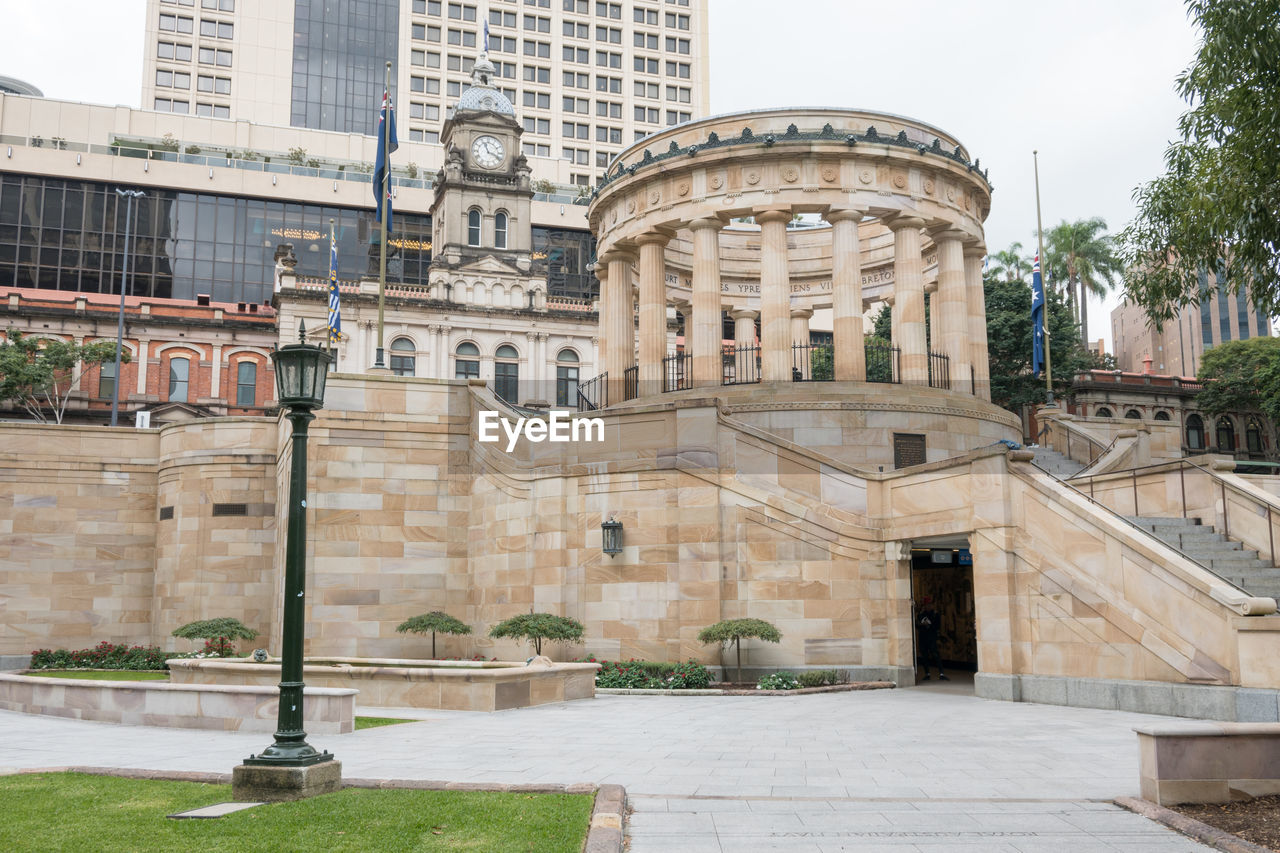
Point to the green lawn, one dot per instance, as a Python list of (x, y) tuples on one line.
[(75, 812), (102, 674), (374, 722)]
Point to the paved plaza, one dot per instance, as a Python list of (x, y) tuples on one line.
[(902, 770)]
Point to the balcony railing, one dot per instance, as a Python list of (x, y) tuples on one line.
[(883, 363), (741, 365), (594, 393), (811, 363), (677, 372), (631, 383), (939, 370)]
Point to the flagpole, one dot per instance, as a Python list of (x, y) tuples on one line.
[(378, 361), (1048, 363)]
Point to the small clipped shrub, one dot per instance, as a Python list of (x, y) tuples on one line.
[(817, 677), (778, 681), (435, 622), (538, 628), (735, 631), (105, 655), (223, 631)]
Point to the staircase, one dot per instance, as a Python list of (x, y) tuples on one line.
[(1054, 463), (1224, 557)]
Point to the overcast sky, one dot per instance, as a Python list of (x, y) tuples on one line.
[(1087, 82)]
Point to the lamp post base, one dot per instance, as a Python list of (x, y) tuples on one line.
[(267, 783)]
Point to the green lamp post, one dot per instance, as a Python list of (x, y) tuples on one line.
[(301, 370)]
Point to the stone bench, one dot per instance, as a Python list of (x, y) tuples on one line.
[(222, 707), (1208, 762)]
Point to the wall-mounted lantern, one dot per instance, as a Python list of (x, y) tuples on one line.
[(611, 536)]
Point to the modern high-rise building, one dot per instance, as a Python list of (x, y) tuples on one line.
[(1177, 349), (588, 76)]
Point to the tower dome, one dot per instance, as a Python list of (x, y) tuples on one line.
[(482, 94)]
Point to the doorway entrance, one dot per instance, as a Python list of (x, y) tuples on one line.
[(942, 584)]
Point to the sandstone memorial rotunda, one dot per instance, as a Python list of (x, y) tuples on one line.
[(756, 468)]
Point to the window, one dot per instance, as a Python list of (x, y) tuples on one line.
[(680, 22), (246, 383), (611, 35), (572, 30), (647, 115), (500, 230), (1195, 433), (170, 50), (506, 373), (646, 90), (609, 134), (540, 49), (535, 24), (1162, 416), (577, 81), (1253, 436), (473, 227), (541, 100), (1226, 434), (607, 109), (179, 370), (608, 60), (675, 45), (1133, 415), (461, 12), (502, 19), (466, 361), (609, 84), (176, 24), (534, 74), (678, 69), (566, 378), (648, 41), (1103, 412), (646, 16), (537, 125), (576, 54), (107, 380), (402, 357)]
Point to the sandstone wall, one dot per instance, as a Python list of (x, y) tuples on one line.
[(77, 535)]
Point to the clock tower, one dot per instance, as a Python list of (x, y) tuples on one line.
[(480, 216)]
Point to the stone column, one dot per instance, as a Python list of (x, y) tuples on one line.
[(707, 334), (744, 341), (908, 308), (653, 309), (976, 305), (850, 356), (775, 296), (445, 352), (800, 325), (601, 270), (952, 306), (619, 322), (934, 339)]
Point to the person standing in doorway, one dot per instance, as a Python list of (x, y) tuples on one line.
[(928, 623)]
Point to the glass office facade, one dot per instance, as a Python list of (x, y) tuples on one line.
[(69, 235), (340, 49)]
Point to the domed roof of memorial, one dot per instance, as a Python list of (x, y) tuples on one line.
[(481, 94)]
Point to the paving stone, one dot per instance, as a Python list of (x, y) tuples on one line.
[(216, 810)]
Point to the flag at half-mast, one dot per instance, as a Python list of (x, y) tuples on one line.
[(335, 311), (387, 143), (1037, 319)]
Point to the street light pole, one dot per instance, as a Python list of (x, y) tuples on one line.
[(301, 370), (129, 196)]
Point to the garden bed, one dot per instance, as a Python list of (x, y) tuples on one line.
[(748, 690)]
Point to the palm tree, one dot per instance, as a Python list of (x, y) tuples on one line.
[(1086, 255), (1011, 263)]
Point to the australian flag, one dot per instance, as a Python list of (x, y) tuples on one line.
[(335, 312), (387, 143), (1037, 319)]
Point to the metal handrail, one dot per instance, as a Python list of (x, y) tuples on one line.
[(1143, 531), (1181, 466)]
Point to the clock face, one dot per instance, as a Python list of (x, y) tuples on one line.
[(487, 151)]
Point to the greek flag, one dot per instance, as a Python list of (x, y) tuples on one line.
[(335, 312), (1037, 319)]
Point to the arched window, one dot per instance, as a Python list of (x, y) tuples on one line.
[(1103, 412), (566, 378), (500, 230), (467, 362), (1195, 433), (246, 383), (473, 227), (1253, 436), (1226, 435), (1133, 415), (179, 373), (402, 353), (506, 373), (1162, 416)]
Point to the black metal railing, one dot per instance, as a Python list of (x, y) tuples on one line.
[(882, 363), (631, 383), (677, 372), (812, 363), (939, 370), (594, 393), (741, 365)]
